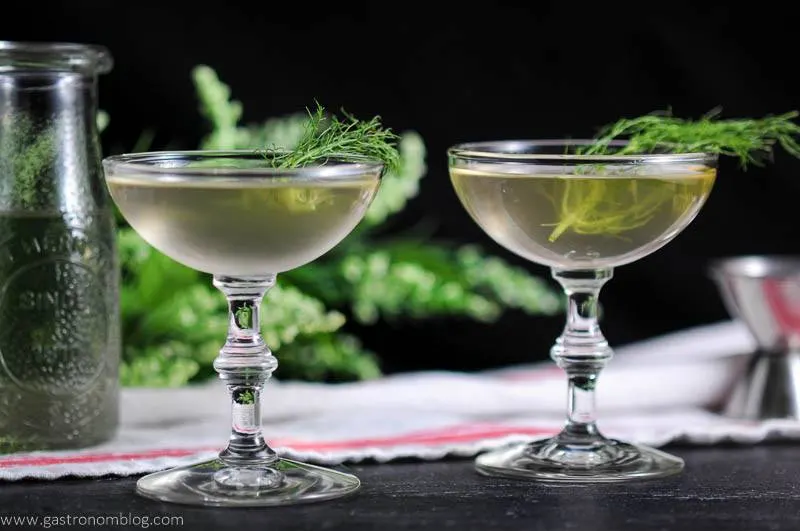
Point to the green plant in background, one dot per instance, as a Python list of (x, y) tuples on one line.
[(27, 151), (173, 317)]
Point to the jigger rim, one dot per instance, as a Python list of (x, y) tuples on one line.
[(756, 266)]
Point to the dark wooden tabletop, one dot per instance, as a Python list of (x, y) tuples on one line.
[(734, 488)]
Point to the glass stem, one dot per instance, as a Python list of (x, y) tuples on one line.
[(245, 363), (581, 351)]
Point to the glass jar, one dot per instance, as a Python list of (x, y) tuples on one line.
[(59, 271)]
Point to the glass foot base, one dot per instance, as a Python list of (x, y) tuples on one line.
[(603, 461), (215, 483)]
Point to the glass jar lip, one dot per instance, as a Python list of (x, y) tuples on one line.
[(529, 151), (155, 164), (41, 56)]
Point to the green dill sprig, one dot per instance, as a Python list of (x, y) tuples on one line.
[(332, 136), (750, 140)]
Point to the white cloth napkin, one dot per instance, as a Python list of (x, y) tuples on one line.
[(653, 392)]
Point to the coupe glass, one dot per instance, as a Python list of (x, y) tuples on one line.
[(235, 216), (581, 216)]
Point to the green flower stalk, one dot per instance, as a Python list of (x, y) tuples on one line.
[(174, 320)]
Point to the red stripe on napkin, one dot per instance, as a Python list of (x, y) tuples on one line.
[(13, 461), (455, 434)]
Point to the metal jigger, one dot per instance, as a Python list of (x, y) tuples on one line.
[(764, 293)]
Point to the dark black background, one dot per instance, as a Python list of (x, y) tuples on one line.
[(459, 73)]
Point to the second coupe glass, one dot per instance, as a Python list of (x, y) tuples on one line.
[(581, 216)]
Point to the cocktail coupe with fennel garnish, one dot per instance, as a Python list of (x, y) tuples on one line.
[(582, 216), (584, 208), (243, 219)]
